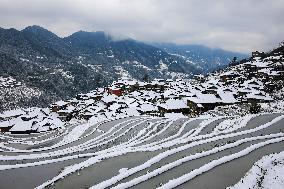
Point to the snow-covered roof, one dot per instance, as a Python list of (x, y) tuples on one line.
[(253, 83), (227, 97), (173, 104), (131, 111), (108, 98), (258, 96), (135, 93), (4, 124), (258, 63), (61, 103), (114, 107), (12, 113), (127, 100), (69, 109), (148, 108), (22, 125), (229, 73), (204, 99)]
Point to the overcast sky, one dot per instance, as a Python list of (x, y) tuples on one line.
[(238, 25)]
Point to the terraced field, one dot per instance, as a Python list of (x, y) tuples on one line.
[(141, 152)]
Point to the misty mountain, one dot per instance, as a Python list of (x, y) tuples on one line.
[(205, 58)]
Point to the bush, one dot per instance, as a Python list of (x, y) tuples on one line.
[(254, 108)]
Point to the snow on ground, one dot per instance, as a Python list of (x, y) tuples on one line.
[(266, 173), (122, 72), (139, 65)]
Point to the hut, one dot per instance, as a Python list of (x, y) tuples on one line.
[(173, 106)]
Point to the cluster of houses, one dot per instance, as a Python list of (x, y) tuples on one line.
[(269, 71), (250, 82), (31, 120), (244, 83), (6, 82)]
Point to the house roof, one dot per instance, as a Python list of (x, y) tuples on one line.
[(258, 96), (20, 125), (12, 113), (61, 103), (148, 108), (108, 98), (227, 97), (204, 99), (131, 111), (5, 124), (173, 104)]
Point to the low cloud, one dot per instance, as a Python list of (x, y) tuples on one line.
[(242, 25)]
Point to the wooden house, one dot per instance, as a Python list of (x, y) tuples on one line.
[(258, 97), (257, 54), (174, 106), (147, 109), (115, 91), (82, 97), (270, 86), (229, 77), (5, 126), (67, 113), (210, 90), (60, 105), (96, 97), (203, 102), (200, 78), (22, 128), (7, 115)]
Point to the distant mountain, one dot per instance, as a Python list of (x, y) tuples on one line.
[(205, 58)]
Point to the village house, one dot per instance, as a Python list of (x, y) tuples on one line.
[(115, 90), (185, 94), (67, 113), (270, 86), (199, 78), (131, 111), (96, 97), (10, 114), (157, 86), (258, 97), (210, 90), (73, 101), (60, 105), (22, 128), (264, 73), (202, 102), (5, 126), (253, 84), (242, 92), (82, 97), (173, 106), (89, 112), (257, 54), (229, 77), (147, 108), (226, 97), (109, 99)]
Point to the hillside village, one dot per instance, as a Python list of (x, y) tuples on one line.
[(251, 82)]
